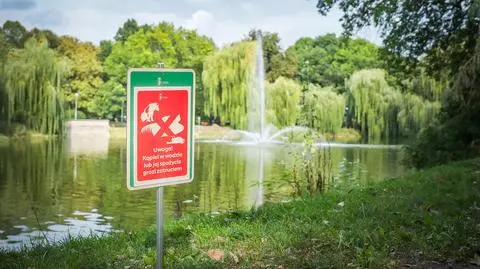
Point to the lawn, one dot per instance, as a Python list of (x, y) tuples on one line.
[(425, 219)]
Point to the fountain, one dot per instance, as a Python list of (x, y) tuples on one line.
[(258, 129)]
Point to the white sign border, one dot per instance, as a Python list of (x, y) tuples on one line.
[(191, 146)]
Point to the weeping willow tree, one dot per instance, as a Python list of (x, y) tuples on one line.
[(374, 103), (283, 98), (416, 113), (4, 48), (33, 79), (427, 87), (227, 76), (381, 111), (323, 109)]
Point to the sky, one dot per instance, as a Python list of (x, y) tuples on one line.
[(223, 20)]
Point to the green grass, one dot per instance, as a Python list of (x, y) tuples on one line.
[(345, 136), (118, 133), (429, 216), (4, 140)]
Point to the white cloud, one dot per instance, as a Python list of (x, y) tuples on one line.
[(201, 20), (248, 7), (224, 21)]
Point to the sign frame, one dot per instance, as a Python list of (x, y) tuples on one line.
[(158, 79)]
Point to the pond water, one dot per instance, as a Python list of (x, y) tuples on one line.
[(47, 192)]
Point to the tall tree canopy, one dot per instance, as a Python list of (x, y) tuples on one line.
[(444, 37), (34, 78), (85, 77), (283, 102), (323, 109), (277, 63), (175, 47), (329, 60), (227, 76), (445, 30), (375, 103), (15, 33), (128, 28), (4, 49)]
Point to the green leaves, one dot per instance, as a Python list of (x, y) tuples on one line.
[(283, 102), (323, 109), (227, 77), (148, 46), (328, 60), (85, 74), (33, 80)]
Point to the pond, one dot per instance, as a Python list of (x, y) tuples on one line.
[(47, 192)]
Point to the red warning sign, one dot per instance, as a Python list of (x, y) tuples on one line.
[(162, 129)]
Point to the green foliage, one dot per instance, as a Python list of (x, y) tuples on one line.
[(283, 97), (329, 60), (129, 28), (323, 109), (33, 81), (227, 76), (310, 171), (443, 30), (283, 65), (85, 76), (4, 50), (357, 227), (416, 113), (375, 103), (106, 47), (425, 86), (277, 64), (41, 35), (456, 134), (175, 47), (109, 100), (161, 44), (15, 33)]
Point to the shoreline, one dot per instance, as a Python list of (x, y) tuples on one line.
[(215, 132), (387, 224)]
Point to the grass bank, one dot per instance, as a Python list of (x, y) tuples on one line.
[(428, 219), (30, 137), (217, 132)]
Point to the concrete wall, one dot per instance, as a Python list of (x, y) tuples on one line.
[(88, 136)]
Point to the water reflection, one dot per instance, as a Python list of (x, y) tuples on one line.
[(81, 224), (46, 193)]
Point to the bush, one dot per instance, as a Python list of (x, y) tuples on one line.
[(456, 135)]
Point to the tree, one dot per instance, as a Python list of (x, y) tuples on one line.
[(283, 65), (276, 62), (445, 30), (129, 28), (328, 60), (33, 80), (283, 108), (109, 100), (227, 77), (4, 50), (323, 109), (49, 36), (14, 33), (106, 47), (443, 34), (175, 47), (374, 103), (85, 77)]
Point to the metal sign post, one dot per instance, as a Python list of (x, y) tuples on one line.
[(159, 227), (160, 120)]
